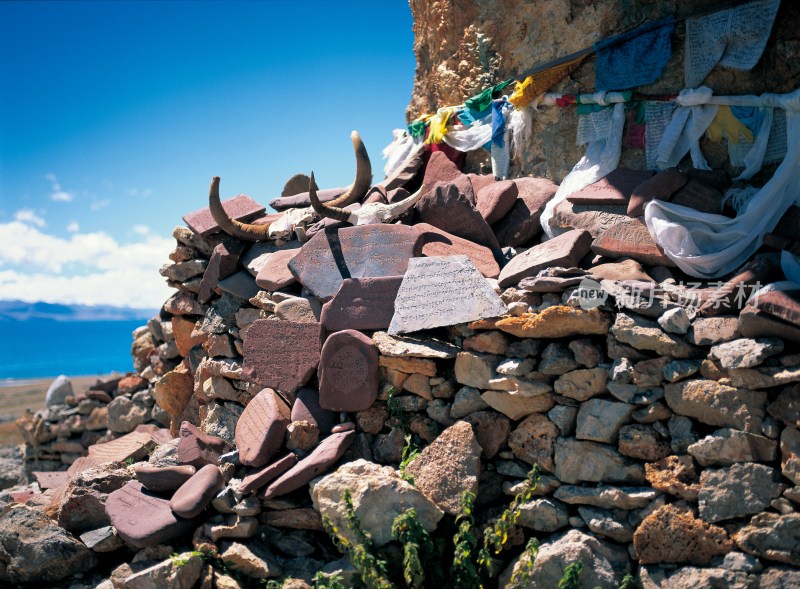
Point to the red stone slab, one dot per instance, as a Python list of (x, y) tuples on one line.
[(320, 460), (195, 494), (274, 274), (135, 445), (660, 187), (281, 355), (756, 323), (163, 478), (80, 464), (631, 239), (51, 480), (266, 474), (348, 372), (439, 169), (699, 196), (496, 200), (306, 408), (614, 189), (143, 519), (565, 250), (241, 207), (224, 261), (198, 449), (522, 224), (784, 305), (481, 181), (366, 251), (261, 428), (447, 208), (361, 303), (437, 242)]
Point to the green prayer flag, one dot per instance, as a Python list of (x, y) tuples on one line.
[(483, 100)]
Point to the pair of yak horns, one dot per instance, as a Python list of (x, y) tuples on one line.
[(356, 192)]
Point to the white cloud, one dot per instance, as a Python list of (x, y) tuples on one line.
[(58, 194), (141, 229), (137, 192), (87, 268), (100, 204), (73, 227), (28, 216)]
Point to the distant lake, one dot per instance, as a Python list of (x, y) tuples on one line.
[(39, 348)]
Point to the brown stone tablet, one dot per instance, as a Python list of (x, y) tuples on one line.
[(660, 187), (194, 495), (134, 445), (361, 303), (282, 355), (522, 224), (274, 274), (163, 478), (631, 239), (143, 519), (449, 209), (365, 251), (306, 408), (264, 475), (614, 189), (241, 208), (438, 243), (348, 372), (565, 250), (261, 428), (496, 200), (223, 263), (320, 460), (199, 449), (51, 480)]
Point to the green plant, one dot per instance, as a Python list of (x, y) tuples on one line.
[(395, 409), (418, 548), (410, 452), (331, 581), (495, 536), (361, 552), (628, 582), (523, 576), (571, 577), (464, 570), (184, 558)]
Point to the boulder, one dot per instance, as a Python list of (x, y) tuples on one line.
[(34, 549), (379, 496), (447, 467)]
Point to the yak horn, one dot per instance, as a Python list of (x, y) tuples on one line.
[(363, 181), (228, 224), (325, 210)]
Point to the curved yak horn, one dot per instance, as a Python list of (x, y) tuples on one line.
[(363, 181), (325, 210), (228, 224)]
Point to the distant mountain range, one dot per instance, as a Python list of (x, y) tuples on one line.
[(22, 311)]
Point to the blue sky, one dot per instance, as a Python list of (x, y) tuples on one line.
[(114, 116)]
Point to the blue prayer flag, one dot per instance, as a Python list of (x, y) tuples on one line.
[(635, 58)]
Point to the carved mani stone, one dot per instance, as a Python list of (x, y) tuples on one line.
[(282, 355), (261, 428), (348, 372), (364, 251)]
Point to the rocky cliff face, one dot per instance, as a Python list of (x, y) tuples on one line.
[(462, 46)]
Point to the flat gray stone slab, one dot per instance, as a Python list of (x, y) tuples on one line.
[(437, 292)]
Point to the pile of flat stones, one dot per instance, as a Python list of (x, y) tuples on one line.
[(663, 415)]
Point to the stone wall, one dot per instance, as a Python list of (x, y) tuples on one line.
[(462, 46)]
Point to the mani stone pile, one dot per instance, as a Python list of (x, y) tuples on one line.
[(663, 416)]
